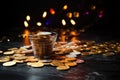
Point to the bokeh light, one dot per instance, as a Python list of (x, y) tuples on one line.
[(28, 18), (26, 24), (93, 7), (52, 11), (76, 14), (69, 14), (39, 24), (65, 7), (44, 14), (63, 22), (72, 21)]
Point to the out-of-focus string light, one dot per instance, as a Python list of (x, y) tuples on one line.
[(44, 14), (76, 14), (86, 13), (63, 22), (69, 15), (28, 18), (93, 7), (52, 11), (101, 12), (26, 24), (72, 21), (8, 40), (39, 24), (65, 7), (100, 15)]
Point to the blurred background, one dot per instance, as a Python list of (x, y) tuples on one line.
[(96, 17)]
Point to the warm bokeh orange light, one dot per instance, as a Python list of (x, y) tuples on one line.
[(25, 37), (73, 33), (76, 14), (73, 39), (65, 7), (52, 11), (69, 15)]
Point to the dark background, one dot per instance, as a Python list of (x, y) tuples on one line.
[(13, 13)]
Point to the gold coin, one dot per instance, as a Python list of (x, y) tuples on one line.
[(65, 67), (8, 52), (20, 58), (37, 64), (18, 61), (70, 59), (30, 63), (56, 63), (4, 58), (10, 63), (71, 63), (31, 59), (14, 48)]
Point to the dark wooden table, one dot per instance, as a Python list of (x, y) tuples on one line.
[(95, 67)]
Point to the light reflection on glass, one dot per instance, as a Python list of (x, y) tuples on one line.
[(65, 35), (68, 35)]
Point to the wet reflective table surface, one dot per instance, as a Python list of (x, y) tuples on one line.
[(95, 67)]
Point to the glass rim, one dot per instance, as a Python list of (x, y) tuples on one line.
[(48, 33)]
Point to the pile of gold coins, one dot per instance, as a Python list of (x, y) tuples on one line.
[(107, 48), (66, 54)]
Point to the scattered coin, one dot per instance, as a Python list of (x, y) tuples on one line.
[(15, 48), (70, 59), (8, 52), (31, 59), (4, 58), (56, 63), (63, 67), (10, 63), (71, 63), (37, 64), (27, 46), (18, 61)]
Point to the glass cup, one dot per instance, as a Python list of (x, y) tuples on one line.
[(42, 44)]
